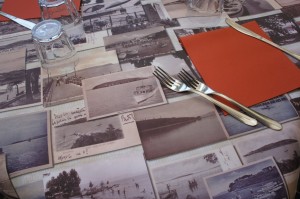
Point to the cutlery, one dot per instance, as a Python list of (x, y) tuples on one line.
[(22, 22), (199, 86), (178, 86), (248, 32)]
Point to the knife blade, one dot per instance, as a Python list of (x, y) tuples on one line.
[(22, 22)]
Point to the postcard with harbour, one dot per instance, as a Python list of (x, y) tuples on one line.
[(122, 92), (76, 138), (261, 179), (120, 174), (180, 124), (26, 141)]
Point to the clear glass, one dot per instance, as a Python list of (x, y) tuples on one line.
[(206, 7)]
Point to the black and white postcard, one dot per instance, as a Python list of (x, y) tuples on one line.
[(61, 87), (185, 124), (13, 29), (26, 141), (122, 92), (285, 3), (121, 174), (141, 44), (184, 177), (257, 180), (18, 87), (74, 137)]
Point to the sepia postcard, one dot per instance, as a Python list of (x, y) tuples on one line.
[(261, 179), (74, 137), (184, 178), (19, 88), (7, 189), (27, 144), (59, 88), (121, 174), (185, 124), (122, 92), (135, 46)]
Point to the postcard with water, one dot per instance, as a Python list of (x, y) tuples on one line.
[(25, 139), (122, 92), (261, 179), (74, 137), (60, 87), (119, 174)]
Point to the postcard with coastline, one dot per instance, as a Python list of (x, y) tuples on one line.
[(59, 87), (178, 126), (184, 177), (257, 180), (74, 137), (120, 174), (122, 92), (18, 87), (25, 139)]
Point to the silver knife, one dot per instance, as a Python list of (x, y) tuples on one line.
[(248, 32), (22, 22)]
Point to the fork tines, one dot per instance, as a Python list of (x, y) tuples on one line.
[(163, 76), (187, 79)]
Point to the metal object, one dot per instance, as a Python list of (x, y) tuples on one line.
[(179, 86), (199, 86), (253, 34), (22, 22)]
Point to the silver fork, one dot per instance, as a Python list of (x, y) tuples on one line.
[(178, 86), (199, 86)]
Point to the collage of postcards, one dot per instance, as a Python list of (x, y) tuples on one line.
[(110, 130)]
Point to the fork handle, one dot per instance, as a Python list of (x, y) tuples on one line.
[(260, 117), (236, 114)]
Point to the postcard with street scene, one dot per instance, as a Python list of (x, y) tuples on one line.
[(257, 180), (122, 92), (279, 108), (137, 45), (61, 87), (179, 123), (25, 139), (7, 189), (121, 174), (74, 137), (184, 177), (18, 87)]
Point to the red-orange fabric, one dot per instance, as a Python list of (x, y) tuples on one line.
[(25, 9), (242, 67)]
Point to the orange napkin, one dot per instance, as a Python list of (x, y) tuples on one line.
[(25, 9), (242, 67)]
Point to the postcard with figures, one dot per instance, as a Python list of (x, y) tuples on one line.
[(261, 179), (74, 137), (184, 177), (28, 143), (59, 87), (119, 174), (122, 92)]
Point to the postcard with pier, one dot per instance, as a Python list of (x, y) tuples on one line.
[(74, 137)]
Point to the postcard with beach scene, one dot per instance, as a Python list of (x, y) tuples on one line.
[(120, 174), (25, 139), (62, 87), (256, 180), (122, 92), (74, 137)]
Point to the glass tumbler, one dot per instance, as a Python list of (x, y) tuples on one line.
[(53, 46)]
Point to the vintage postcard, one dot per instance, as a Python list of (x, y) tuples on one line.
[(141, 44), (121, 174), (184, 178), (27, 144), (257, 180), (74, 137), (278, 108), (7, 189), (18, 87), (31, 190), (285, 3), (122, 92), (186, 124), (60, 87)]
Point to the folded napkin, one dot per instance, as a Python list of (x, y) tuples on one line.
[(25, 9), (242, 67)]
